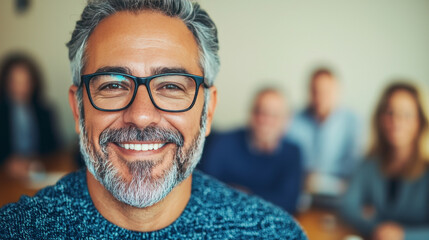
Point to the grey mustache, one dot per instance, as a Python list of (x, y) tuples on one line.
[(132, 133)]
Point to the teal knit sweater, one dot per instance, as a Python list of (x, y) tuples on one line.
[(214, 211)]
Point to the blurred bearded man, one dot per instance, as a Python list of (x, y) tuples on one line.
[(143, 100)]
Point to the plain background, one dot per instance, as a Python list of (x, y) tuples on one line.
[(278, 42)]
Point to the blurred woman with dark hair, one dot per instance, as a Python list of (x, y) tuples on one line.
[(388, 197), (26, 124)]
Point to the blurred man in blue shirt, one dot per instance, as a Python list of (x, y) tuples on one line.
[(257, 159), (329, 137)]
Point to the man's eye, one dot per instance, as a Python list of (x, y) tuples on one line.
[(112, 86), (171, 87)]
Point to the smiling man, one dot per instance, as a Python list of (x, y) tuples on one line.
[(143, 100)]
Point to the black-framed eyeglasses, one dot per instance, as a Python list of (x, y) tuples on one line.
[(170, 92)]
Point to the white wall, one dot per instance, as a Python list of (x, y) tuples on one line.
[(277, 41), (367, 42), (43, 32)]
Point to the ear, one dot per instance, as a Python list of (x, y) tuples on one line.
[(74, 106), (211, 108)]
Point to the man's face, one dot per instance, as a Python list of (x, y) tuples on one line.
[(145, 43), (323, 93), (269, 116)]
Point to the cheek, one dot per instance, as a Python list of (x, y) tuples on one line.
[(97, 121), (388, 129), (413, 129), (404, 131), (187, 123), (406, 127), (386, 123)]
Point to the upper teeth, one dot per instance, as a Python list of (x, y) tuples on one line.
[(142, 147)]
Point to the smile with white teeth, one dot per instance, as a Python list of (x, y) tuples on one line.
[(142, 147)]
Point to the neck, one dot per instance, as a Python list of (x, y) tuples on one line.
[(19, 99), (267, 146), (322, 115), (19, 102), (399, 158), (155, 217)]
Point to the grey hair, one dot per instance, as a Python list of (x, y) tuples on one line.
[(196, 19)]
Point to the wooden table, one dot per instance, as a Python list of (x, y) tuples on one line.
[(322, 224), (56, 165)]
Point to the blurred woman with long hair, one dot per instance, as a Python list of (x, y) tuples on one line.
[(388, 197), (26, 123)]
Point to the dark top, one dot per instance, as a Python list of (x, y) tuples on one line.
[(46, 133), (276, 177), (409, 206), (214, 211)]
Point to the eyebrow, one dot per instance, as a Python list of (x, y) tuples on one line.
[(154, 71), (161, 70), (116, 69)]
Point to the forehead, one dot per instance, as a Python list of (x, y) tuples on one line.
[(142, 41), (19, 70), (270, 99), (323, 80), (402, 98)]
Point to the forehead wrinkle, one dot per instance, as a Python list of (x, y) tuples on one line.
[(179, 46)]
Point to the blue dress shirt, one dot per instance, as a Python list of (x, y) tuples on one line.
[(332, 147)]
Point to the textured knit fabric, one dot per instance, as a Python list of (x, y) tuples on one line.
[(370, 188), (65, 211), (276, 176)]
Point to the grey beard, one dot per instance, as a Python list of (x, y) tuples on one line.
[(144, 189)]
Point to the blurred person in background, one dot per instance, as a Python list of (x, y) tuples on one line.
[(388, 197), (329, 138), (257, 159), (26, 122)]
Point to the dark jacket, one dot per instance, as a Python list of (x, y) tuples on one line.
[(276, 177), (48, 140)]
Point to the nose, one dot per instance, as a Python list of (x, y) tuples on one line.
[(142, 113)]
